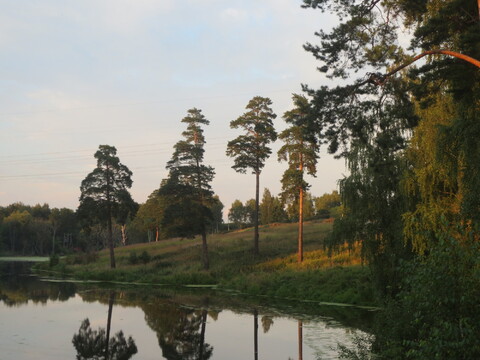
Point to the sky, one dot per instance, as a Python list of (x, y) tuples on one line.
[(78, 74)]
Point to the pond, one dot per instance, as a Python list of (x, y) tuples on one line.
[(44, 319)]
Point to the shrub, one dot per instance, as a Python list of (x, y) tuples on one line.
[(144, 257), (54, 260), (133, 259)]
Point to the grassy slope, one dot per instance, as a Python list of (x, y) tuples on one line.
[(274, 272)]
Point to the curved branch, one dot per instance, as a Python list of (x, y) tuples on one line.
[(379, 79)]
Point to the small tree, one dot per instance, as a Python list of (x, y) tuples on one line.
[(217, 212), (104, 192), (187, 190), (300, 150), (250, 150), (236, 214)]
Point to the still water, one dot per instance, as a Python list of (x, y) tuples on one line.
[(41, 319)]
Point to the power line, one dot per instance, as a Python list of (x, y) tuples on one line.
[(140, 103)]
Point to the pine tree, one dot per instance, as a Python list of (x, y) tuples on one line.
[(104, 192), (300, 150), (250, 150), (187, 189)]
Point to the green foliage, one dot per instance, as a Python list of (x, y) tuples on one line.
[(36, 230), (104, 193), (216, 206), (144, 257), (105, 190), (237, 214), (54, 260), (251, 149), (187, 190), (271, 209), (133, 258), (325, 204), (300, 148), (437, 313)]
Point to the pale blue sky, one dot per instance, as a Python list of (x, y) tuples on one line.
[(77, 74)]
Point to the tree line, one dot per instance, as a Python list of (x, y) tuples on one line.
[(184, 205)]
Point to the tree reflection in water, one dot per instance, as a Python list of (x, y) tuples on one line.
[(97, 344), (186, 340)]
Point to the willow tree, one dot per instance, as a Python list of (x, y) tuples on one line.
[(187, 190), (300, 150), (251, 149), (370, 117), (104, 192)]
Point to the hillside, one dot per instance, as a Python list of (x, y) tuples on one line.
[(275, 272)]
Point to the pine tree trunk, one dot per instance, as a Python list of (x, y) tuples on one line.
[(300, 226), (110, 243), (110, 230), (206, 263), (156, 234), (256, 250)]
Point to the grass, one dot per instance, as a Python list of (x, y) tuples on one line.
[(275, 272), (24, 258)]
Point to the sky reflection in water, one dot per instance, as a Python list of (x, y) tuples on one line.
[(168, 325)]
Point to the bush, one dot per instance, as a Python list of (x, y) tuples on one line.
[(133, 259), (144, 257), (54, 260)]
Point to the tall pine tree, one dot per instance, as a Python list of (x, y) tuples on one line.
[(187, 190), (251, 149), (300, 150)]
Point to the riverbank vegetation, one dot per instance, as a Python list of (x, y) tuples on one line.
[(275, 272)]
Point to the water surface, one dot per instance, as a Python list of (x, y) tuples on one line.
[(42, 319)]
